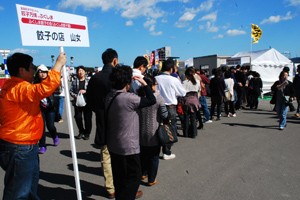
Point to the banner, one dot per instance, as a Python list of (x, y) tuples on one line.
[(156, 57), (42, 27), (256, 33)]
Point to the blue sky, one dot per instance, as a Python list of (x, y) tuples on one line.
[(192, 28)]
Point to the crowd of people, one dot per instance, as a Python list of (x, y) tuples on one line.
[(129, 105)]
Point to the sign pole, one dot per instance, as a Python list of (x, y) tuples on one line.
[(71, 130)]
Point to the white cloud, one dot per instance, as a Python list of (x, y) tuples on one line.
[(188, 16), (129, 23), (149, 23), (152, 28), (181, 24), (128, 8), (230, 33), (210, 17), (173, 37), (47, 7), (190, 29), (218, 36), (26, 51), (201, 27), (190, 13), (234, 32), (276, 19), (1, 8), (211, 27), (95, 25), (205, 6), (226, 26), (156, 33), (164, 21), (293, 2)]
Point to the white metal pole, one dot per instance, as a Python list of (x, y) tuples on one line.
[(71, 130)]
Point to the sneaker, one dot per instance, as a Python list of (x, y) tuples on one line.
[(150, 184), (168, 157), (281, 128), (208, 121), (56, 141), (234, 115), (228, 115), (42, 150), (60, 121)]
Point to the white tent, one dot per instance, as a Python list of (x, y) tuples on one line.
[(268, 63)]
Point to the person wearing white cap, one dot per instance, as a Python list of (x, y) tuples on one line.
[(48, 110)]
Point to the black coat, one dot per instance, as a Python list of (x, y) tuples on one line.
[(98, 87)]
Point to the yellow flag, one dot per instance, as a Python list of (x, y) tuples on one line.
[(256, 33)]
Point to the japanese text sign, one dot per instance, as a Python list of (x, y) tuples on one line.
[(42, 27)]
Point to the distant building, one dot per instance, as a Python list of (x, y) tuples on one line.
[(210, 62)]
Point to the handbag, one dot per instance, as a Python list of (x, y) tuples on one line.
[(80, 102), (167, 133), (228, 96)]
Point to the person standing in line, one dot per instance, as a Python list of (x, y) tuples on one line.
[(202, 98), (169, 88), (296, 84), (22, 124), (283, 89), (79, 85), (255, 89), (241, 79), (149, 118), (229, 85), (190, 103), (139, 67), (99, 86), (123, 143), (48, 111), (217, 88)]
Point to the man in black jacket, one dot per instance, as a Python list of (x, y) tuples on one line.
[(241, 79), (98, 88)]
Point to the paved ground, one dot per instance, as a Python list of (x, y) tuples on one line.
[(242, 158)]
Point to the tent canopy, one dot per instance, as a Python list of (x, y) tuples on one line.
[(268, 63)]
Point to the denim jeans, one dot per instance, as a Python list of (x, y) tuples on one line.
[(204, 106), (281, 109), (21, 164), (149, 161), (49, 118), (60, 104)]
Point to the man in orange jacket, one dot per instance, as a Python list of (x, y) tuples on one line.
[(21, 124)]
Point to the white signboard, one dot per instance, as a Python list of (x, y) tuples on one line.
[(42, 27)]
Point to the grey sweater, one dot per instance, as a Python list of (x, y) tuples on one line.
[(150, 118)]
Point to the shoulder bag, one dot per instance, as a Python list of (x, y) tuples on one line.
[(167, 133)]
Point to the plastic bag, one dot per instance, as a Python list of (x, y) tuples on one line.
[(80, 102)]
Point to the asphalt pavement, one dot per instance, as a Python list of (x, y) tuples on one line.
[(241, 158)]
